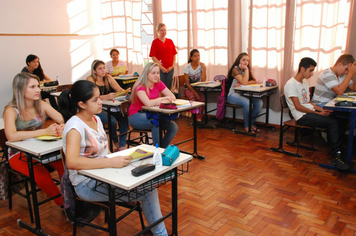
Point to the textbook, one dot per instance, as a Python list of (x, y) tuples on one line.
[(140, 154), (345, 98), (182, 103), (121, 93)]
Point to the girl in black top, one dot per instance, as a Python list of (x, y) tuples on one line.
[(33, 66), (108, 88)]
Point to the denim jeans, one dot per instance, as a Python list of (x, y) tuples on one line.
[(139, 121), (240, 100), (167, 78), (123, 126), (150, 202)]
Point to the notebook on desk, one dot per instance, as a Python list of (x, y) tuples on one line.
[(137, 155)]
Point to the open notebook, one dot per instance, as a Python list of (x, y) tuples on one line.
[(137, 155)]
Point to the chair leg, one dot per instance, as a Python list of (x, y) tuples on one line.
[(28, 197), (280, 148), (296, 142), (139, 209)]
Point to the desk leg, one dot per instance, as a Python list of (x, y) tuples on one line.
[(205, 124), (160, 130), (38, 230), (351, 136), (109, 127), (175, 203), (195, 138), (112, 212)]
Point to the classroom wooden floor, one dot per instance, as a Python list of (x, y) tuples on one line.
[(242, 188)]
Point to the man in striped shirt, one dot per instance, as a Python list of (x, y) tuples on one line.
[(335, 80)]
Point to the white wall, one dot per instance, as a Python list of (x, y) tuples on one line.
[(68, 57)]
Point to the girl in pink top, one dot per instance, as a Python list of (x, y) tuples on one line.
[(145, 92)]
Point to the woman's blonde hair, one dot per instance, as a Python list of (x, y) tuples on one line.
[(159, 26), (19, 86), (94, 65), (143, 80)]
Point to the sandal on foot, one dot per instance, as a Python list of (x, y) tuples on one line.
[(255, 129)]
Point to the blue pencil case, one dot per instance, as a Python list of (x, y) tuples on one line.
[(170, 155)]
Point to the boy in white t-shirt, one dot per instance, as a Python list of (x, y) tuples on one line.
[(335, 80), (296, 91)]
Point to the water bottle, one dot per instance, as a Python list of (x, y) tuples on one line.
[(57, 79), (264, 83), (157, 157)]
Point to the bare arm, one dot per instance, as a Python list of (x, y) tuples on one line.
[(203, 73), (13, 135), (47, 79), (168, 95), (303, 109), (173, 63), (341, 88), (76, 162), (164, 70)]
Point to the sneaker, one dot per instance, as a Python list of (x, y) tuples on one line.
[(338, 162)]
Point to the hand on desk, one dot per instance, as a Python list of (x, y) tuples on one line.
[(55, 129), (120, 161)]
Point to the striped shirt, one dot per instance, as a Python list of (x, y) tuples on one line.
[(326, 82)]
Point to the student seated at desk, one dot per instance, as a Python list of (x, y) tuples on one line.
[(33, 66), (307, 114), (194, 72), (23, 118), (240, 74), (145, 92), (116, 66), (335, 80), (108, 88), (85, 145)]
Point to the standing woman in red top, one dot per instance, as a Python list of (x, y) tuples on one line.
[(163, 52)]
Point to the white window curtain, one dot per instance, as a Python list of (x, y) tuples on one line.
[(282, 32), (322, 35), (207, 24), (121, 29)]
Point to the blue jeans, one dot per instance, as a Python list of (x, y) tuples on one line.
[(150, 202), (139, 121), (167, 78), (116, 117), (240, 100)]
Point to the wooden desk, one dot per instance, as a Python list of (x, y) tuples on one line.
[(251, 92), (111, 104), (207, 87), (123, 179), (39, 151), (352, 117), (161, 112)]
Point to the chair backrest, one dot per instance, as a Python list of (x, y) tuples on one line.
[(311, 92), (284, 105), (63, 87)]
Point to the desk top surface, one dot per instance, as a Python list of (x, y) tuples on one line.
[(255, 89), (172, 111), (122, 177), (210, 84), (112, 103), (49, 88), (37, 147), (125, 77), (331, 105)]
